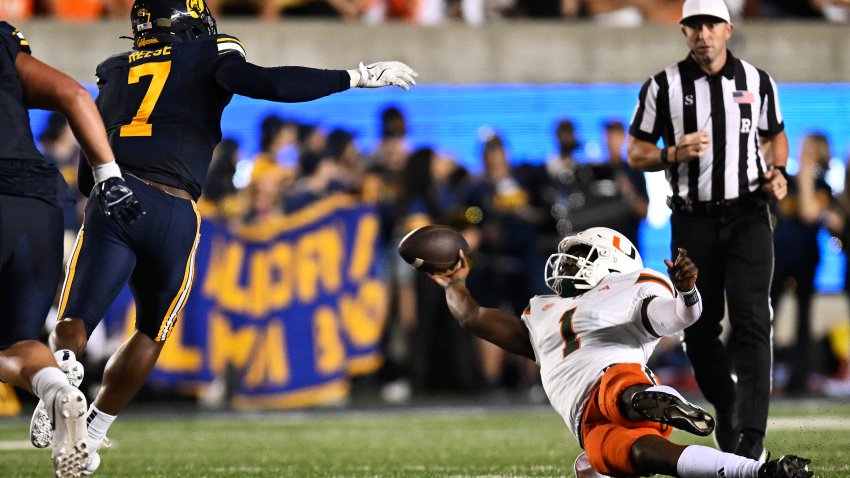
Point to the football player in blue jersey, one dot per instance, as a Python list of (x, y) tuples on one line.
[(162, 104), (31, 235)]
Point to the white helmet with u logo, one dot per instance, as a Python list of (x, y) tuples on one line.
[(596, 252)]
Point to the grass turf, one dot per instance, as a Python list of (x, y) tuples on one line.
[(424, 442)]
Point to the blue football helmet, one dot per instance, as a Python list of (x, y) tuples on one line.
[(160, 22)]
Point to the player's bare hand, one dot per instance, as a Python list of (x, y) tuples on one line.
[(455, 275), (692, 146), (683, 272), (775, 184)]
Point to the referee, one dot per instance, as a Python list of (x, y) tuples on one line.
[(724, 156)]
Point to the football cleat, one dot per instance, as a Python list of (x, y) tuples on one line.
[(91, 464), (68, 408), (788, 466), (41, 431), (68, 363), (584, 470), (669, 408)]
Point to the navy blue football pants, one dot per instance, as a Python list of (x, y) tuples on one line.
[(155, 254), (30, 266)]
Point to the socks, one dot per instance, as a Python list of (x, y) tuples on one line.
[(98, 423), (703, 462), (48, 381)]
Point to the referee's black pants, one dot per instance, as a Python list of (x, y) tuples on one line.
[(733, 249)]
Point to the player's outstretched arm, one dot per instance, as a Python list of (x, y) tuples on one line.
[(48, 88), (292, 84), (493, 325), (668, 315)]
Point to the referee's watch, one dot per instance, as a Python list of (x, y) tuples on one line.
[(663, 156), (782, 170)]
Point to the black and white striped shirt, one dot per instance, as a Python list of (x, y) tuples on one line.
[(731, 106)]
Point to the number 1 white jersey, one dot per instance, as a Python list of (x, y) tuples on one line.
[(575, 338)]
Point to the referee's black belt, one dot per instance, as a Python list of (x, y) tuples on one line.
[(716, 208)]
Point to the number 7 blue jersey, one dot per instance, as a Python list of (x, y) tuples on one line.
[(162, 109)]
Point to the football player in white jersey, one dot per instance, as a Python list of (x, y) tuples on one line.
[(592, 341)]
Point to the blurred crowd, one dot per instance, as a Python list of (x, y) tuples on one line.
[(432, 12), (512, 215)]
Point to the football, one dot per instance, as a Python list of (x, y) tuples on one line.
[(433, 248)]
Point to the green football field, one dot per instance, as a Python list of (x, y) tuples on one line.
[(429, 441)]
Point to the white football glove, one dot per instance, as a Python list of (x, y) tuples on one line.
[(384, 73)]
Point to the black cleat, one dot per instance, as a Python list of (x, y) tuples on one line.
[(671, 409), (788, 466)]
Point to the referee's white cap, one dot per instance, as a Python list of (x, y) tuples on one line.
[(711, 8)]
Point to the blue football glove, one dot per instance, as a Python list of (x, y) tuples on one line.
[(117, 200)]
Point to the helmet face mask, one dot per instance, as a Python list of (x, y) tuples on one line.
[(585, 258), (159, 22)]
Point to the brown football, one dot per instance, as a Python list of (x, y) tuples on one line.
[(432, 248)]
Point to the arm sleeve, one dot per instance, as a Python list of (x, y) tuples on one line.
[(770, 116), (665, 316), (645, 117), (288, 84)]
